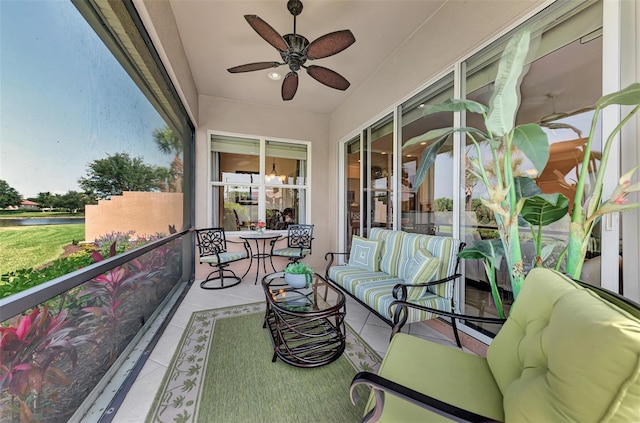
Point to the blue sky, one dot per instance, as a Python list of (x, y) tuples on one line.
[(64, 100)]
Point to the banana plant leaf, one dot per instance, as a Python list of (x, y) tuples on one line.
[(430, 153), (490, 249), (532, 141), (505, 101), (525, 188), (544, 209), (455, 105), (491, 252), (629, 96)]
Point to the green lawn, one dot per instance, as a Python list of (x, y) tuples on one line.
[(23, 247)]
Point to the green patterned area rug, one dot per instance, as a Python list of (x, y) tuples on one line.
[(222, 372)]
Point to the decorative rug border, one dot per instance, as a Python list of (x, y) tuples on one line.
[(179, 393)]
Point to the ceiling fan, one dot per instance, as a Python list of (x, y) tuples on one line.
[(295, 50)]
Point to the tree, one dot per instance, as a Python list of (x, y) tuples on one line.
[(45, 200), (118, 173), (169, 143), (72, 201), (8, 195)]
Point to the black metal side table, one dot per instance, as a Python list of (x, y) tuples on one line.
[(306, 325), (258, 250)]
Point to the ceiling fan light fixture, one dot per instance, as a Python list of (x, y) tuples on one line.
[(274, 76), (295, 50)]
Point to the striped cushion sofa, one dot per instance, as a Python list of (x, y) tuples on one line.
[(393, 265)]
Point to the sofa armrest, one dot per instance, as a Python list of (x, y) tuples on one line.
[(400, 315), (330, 256), (381, 385), (400, 290)]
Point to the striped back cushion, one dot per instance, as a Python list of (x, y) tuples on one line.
[(446, 249), (411, 243), (391, 244)]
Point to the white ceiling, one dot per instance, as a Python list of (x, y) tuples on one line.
[(216, 36)]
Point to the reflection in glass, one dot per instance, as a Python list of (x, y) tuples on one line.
[(379, 185), (352, 189), (60, 350), (558, 94), (427, 208)]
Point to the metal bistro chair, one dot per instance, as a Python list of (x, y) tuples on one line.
[(299, 239), (212, 246)]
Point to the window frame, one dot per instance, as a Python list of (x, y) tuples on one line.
[(213, 220)]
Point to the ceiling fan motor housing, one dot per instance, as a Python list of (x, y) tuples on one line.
[(296, 54)]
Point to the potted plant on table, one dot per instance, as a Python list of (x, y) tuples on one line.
[(298, 275)]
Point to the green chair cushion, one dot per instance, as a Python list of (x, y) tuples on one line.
[(365, 253), (445, 373), (565, 354), (227, 257), (291, 252)]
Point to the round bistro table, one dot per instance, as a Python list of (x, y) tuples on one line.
[(258, 250)]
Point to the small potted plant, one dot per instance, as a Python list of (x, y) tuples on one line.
[(298, 275)]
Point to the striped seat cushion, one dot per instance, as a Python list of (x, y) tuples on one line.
[(378, 295), (349, 277), (291, 252), (224, 257), (376, 290)]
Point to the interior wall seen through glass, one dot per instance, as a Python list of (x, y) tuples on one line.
[(241, 191)]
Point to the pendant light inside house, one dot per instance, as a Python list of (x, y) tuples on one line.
[(274, 173)]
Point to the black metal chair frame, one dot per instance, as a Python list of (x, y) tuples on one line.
[(298, 236), (213, 242)]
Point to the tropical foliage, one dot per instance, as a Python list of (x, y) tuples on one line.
[(515, 198), (168, 143)]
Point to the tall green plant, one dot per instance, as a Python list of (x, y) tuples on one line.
[(512, 197)]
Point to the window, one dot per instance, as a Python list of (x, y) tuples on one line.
[(556, 92), (379, 159), (427, 205), (257, 179), (74, 108)]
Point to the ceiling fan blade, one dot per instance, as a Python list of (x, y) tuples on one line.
[(330, 44), (289, 86), (328, 77), (250, 67), (265, 30)]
